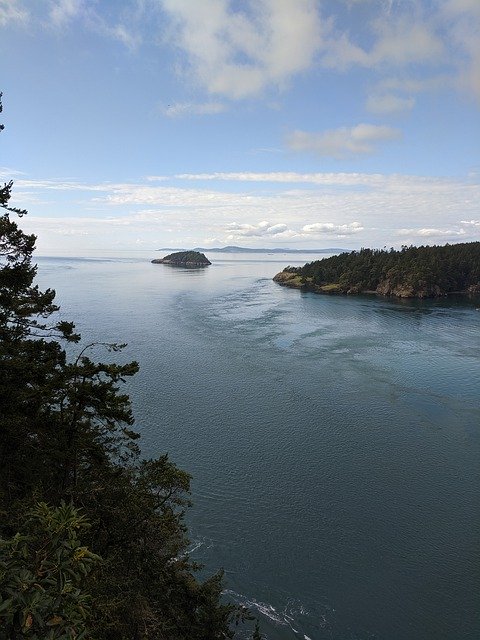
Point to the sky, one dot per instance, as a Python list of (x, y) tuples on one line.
[(141, 124)]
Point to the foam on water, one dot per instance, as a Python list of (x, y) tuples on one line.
[(293, 615)]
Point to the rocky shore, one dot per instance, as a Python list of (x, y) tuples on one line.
[(294, 280)]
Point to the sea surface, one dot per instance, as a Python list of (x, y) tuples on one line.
[(334, 442)]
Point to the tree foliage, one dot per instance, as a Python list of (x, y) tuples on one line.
[(66, 440), (418, 271), (185, 258), (43, 572), (256, 632)]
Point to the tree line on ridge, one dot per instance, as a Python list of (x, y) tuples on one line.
[(425, 271)]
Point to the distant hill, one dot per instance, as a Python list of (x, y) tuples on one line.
[(234, 249), (412, 272)]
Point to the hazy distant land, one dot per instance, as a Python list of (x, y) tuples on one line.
[(234, 249)]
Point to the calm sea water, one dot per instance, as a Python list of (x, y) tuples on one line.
[(333, 441)]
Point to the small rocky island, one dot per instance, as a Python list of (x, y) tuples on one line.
[(412, 272), (184, 259)]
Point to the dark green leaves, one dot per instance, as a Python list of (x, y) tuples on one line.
[(43, 573)]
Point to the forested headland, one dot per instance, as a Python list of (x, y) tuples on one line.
[(411, 272), (93, 542)]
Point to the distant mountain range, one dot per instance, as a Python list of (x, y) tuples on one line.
[(233, 249)]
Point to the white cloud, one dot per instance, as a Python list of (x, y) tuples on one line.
[(11, 11), (343, 142), (64, 185), (314, 231), (180, 109), (168, 196), (417, 36), (398, 39), (338, 179), (121, 33), (370, 210), (6, 173), (431, 233), (64, 11), (404, 40), (259, 230), (463, 20), (329, 228), (157, 178), (236, 53), (409, 84), (389, 103)]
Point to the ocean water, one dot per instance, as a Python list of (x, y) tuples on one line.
[(333, 441)]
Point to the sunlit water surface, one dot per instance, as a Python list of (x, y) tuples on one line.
[(333, 441)]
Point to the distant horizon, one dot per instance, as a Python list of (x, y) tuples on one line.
[(234, 248), (308, 249), (108, 252)]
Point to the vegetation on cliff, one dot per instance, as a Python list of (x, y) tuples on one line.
[(92, 536), (184, 259), (421, 272)]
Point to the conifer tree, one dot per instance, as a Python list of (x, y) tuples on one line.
[(65, 434), (256, 632)]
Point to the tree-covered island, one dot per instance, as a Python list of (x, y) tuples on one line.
[(184, 259), (411, 272)]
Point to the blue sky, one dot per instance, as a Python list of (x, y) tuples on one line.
[(302, 123)]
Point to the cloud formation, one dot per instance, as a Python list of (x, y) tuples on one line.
[(120, 26), (64, 11), (317, 230), (304, 209), (238, 51), (431, 233), (11, 11), (404, 39), (338, 179), (235, 53), (259, 230), (389, 103), (344, 142), (327, 228), (180, 109), (463, 17)]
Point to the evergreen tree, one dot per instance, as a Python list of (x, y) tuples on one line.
[(55, 415), (411, 272), (256, 632), (66, 435)]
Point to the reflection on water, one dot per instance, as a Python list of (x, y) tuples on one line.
[(334, 441)]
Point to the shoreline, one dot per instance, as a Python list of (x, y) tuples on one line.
[(293, 281)]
